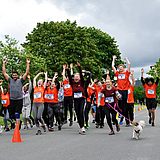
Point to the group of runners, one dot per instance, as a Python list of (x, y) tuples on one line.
[(46, 102)]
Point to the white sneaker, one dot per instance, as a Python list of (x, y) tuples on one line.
[(82, 131)]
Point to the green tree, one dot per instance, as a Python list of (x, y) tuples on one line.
[(139, 93), (16, 57), (65, 42), (155, 72)]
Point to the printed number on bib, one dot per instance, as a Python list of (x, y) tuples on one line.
[(109, 99), (78, 95), (4, 101), (121, 76), (37, 95), (49, 96), (150, 91), (67, 86)]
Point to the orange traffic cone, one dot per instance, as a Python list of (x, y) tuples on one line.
[(16, 135)]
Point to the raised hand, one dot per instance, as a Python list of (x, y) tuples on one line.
[(114, 57), (28, 61)]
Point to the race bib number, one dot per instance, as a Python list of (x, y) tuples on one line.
[(78, 95), (121, 76), (150, 91), (4, 101), (109, 99), (37, 95), (67, 86), (49, 96)]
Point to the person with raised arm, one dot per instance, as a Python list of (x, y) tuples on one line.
[(26, 110), (79, 96), (38, 101), (68, 95), (150, 86), (15, 88), (130, 100), (123, 84)]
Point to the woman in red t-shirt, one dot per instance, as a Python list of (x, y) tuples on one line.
[(150, 92)]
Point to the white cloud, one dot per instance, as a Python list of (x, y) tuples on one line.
[(19, 17)]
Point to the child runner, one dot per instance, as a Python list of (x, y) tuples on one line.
[(26, 110)]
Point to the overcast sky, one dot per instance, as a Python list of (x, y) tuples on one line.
[(135, 24)]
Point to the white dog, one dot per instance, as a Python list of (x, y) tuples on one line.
[(137, 129)]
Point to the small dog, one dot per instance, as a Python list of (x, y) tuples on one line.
[(137, 129)]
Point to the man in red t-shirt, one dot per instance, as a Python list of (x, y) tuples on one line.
[(123, 84)]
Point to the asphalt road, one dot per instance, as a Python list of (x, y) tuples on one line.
[(67, 144)]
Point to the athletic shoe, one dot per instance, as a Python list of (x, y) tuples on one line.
[(44, 128), (101, 126), (50, 129), (82, 131), (7, 129), (59, 127), (117, 128), (111, 133), (97, 125), (71, 123)]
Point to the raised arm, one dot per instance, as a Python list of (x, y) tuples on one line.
[(6, 76), (55, 77), (69, 76), (27, 69), (1, 88), (30, 84), (142, 76), (107, 75), (132, 78), (35, 78), (128, 64), (113, 64), (45, 81), (64, 71), (71, 67), (80, 72)]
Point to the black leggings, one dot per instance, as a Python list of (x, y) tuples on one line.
[(130, 112), (54, 110), (45, 114), (86, 112), (68, 105), (123, 103), (100, 115), (79, 109), (108, 112)]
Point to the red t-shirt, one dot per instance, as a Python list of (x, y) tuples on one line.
[(130, 95), (123, 80), (150, 91), (67, 88)]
